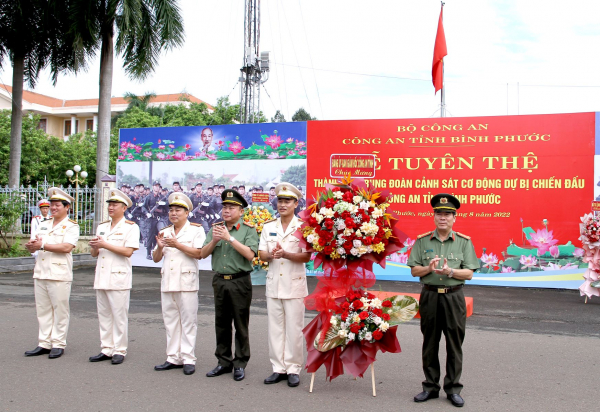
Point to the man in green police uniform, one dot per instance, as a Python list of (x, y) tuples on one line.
[(443, 259), (232, 244)]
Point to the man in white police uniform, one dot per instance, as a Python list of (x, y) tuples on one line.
[(180, 244), (53, 274), (286, 287), (36, 221), (115, 241)]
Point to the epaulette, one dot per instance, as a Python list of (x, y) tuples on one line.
[(249, 224), (165, 228), (73, 221), (461, 235), (129, 222), (269, 221), (423, 235), (106, 221), (37, 216), (195, 224)]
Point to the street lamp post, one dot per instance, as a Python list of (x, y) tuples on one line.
[(77, 180)]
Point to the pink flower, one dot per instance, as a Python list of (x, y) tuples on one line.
[(554, 252), (490, 260), (172, 146), (162, 146), (291, 153), (168, 157), (399, 257), (130, 157), (220, 143), (212, 157), (138, 149), (147, 154), (409, 243), (528, 261), (554, 266), (260, 152), (542, 239), (273, 155), (274, 141), (161, 156), (507, 269), (302, 152), (124, 144), (236, 147), (578, 252), (179, 156), (121, 157), (198, 154), (289, 140), (299, 144), (187, 147), (131, 145)]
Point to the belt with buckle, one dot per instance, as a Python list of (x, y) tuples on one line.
[(442, 289), (233, 275)]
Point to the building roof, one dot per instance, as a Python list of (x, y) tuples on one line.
[(48, 101)]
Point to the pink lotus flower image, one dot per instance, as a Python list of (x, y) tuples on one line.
[(554, 252), (129, 157), (179, 156), (542, 239), (399, 258), (147, 154), (274, 141), (507, 269), (187, 147), (273, 155), (138, 149), (554, 266), (528, 261), (289, 140), (302, 152), (260, 152), (291, 153), (236, 147), (121, 157), (212, 157), (197, 154), (161, 156), (489, 260), (161, 146), (172, 146), (299, 144), (578, 252), (220, 144), (409, 243)]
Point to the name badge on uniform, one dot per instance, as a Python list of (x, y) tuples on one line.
[(44, 228), (429, 250), (272, 234), (101, 233)]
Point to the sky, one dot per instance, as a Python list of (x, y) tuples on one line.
[(372, 60)]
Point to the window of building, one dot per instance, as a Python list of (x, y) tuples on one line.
[(68, 130), (89, 124), (42, 125)]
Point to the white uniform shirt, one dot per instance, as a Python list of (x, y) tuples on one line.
[(35, 224), (113, 271), (56, 266), (285, 279), (179, 271)]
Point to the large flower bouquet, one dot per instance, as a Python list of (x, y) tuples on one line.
[(257, 216), (350, 227), (589, 229)]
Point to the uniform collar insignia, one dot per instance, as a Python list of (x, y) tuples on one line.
[(237, 227)]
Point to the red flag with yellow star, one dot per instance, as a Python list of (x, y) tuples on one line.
[(439, 51)]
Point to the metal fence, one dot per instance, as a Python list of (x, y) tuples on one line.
[(32, 195)]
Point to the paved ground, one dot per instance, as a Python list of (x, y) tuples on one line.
[(525, 350)]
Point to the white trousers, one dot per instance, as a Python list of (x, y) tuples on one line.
[(113, 313), (286, 321), (180, 313), (52, 306)]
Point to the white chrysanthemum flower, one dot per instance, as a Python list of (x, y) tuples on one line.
[(364, 205), (356, 243), (369, 228), (348, 232), (343, 333), (359, 233), (384, 326), (354, 251), (377, 320), (376, 303), (318, 217), (340, 225), (357, 199), (362, 250), (352, 208), (326, 212), (351, 336), (356, 318), (377, 213), (310, 238), (338, 195), (341, 251), (368, 336)]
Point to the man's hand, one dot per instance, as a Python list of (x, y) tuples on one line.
[(433, 264), (98, 243), (34, 245), (277, 252), (220, 232), (170, 241), (445, 270), (160, 240)]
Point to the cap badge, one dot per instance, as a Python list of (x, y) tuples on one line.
[(284, 188), (112, 193), (443, 200), (176, 197), (229, 194)]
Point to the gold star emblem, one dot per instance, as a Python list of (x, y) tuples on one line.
[(443, 200), (229, 194)]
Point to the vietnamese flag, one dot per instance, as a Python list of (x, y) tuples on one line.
[(439, 51)]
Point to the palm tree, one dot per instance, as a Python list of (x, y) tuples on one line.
[(141, 102), (32, 35), (143, 28)]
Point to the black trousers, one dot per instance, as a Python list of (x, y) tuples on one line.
[(232, 305), (442, 313), (152, 233)]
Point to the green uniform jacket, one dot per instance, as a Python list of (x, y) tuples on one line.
[(225, 259), (457, 248)]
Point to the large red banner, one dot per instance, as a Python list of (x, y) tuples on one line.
[(509, 172)]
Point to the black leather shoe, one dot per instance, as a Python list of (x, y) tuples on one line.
[(37, 351), (117, 359), (100, 357), (425, 396), (293, 380), (149, 257), (189, 369), (166, 366), (276, 377), (56, 353), (238, 374), (219, 370), (456, 400)]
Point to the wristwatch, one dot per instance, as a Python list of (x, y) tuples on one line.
[(231, 239), (451, 273)]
